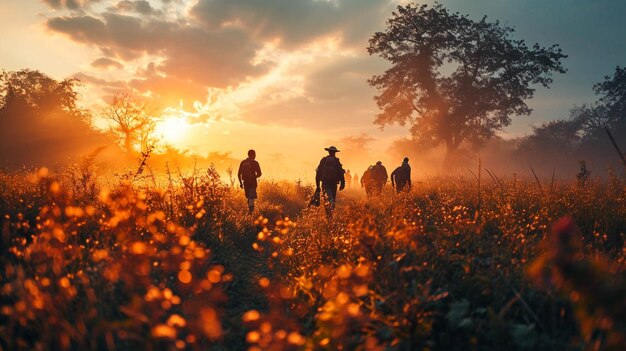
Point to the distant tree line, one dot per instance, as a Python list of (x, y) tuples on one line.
[(585, 134)]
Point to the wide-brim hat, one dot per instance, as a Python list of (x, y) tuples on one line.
[(332, 149)]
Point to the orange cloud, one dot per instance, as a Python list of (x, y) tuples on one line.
[(106, 63)]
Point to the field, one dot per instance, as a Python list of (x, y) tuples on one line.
[(175, 263)]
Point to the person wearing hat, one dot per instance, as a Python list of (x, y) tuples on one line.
[(401, 176), (328, 174), (379, 177), (249, 171)]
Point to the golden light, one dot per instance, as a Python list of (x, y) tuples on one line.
[(172, 130)]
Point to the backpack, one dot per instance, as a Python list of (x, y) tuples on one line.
[(400, 175), (378, 173), (247, 170), (367, 176), (330, 169)]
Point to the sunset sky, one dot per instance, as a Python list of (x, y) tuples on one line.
[(285, 77)]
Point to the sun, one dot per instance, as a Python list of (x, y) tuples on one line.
[(172, 130)]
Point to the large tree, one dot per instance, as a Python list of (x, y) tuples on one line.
[(608, 112), (453, 79), (40, 94), (41, 121), (130, 119)]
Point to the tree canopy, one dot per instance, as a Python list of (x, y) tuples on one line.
[(455, 80), (38, 93), (40, 120), (130, 120)]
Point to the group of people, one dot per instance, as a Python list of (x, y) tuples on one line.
[(329, 177), (375, 178)]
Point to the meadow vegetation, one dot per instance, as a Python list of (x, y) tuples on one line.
[(175, 263)]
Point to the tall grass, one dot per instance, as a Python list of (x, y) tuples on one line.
[(175, 262)]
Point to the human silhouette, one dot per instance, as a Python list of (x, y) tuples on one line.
[(355, 180), (366, 181), (401, 176), (379, 177), (249, 171), (348, 177), (328, 174)]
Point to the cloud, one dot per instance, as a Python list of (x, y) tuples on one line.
[(295, 22), (85, 78), (343, 78), (324, 89), (216, 59), (107, 88), (106, 63), (143, 7), (212, 58), (69, 4), (84, 29)]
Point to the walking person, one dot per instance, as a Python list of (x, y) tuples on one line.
[(366, 181), (249, 171), (328, 174), (379, 177), (401, 177), (348, 177)]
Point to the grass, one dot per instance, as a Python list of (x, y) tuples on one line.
[(178, 264)]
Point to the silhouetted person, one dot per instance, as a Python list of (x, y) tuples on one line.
[(355, 180), (249, 171), (328, 174), (367, 181), (348, 177), (379, 177), (401, 176)]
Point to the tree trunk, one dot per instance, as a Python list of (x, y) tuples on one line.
[(128, 145), (450, 159)]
